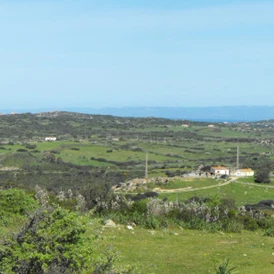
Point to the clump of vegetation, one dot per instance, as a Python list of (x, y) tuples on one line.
[(262, 176), (223, 268), (52, 240), (269, 232), (30, 146), (15, 204)]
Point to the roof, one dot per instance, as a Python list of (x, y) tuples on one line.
[(245, 169), (220, 167)]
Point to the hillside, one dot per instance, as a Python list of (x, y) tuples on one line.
[(96, 154), (93, 148), (210, 114)]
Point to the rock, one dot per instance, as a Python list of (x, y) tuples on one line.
[(130, 227), (110, 223)]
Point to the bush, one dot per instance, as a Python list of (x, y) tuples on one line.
[(269, 232), (52, 240), (30, 146), (262, 176), (21, 150), (248, 222), (96, 194), (14, 204), (151, 194)]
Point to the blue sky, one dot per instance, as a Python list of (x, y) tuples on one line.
[(106, 53)]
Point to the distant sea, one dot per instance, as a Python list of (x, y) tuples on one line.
[(203, 114)]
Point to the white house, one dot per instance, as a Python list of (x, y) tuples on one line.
[(242, 172), (219, 170), (50, 139)]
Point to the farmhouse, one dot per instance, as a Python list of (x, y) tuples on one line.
[(50, 139), (219, 170), (242, 172)]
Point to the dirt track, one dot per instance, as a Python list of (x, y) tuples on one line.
[(188, 189)]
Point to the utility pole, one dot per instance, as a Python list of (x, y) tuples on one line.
[(146, 171), (237, 160)]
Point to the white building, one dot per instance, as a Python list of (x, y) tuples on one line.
[(242, 172), (50, 139), (219, 170)]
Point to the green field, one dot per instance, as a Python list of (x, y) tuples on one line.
[(241, 193), (190, 251)]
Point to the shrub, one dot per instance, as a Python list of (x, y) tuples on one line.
[(14, 204), (30, 146), (223, 268), (151, 194), (269, 232), (96, 195), (51, 240), (21, 150), (262, 176), (75, 148), (248, 222)]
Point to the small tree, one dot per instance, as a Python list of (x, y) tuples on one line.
[(262, 176)]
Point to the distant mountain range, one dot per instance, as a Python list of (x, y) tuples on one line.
[(210, 114)]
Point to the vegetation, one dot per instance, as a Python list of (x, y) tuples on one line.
[(65, 191), (53, 240), (223, 268), (50, 242), (14, 206), (191, 251)]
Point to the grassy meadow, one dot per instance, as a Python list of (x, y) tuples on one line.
[(191, 251), (241, 193)]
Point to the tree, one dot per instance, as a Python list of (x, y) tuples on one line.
[(262, 176)]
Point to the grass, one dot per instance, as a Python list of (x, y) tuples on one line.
[(241, 193), (184, 183), (190, 251)]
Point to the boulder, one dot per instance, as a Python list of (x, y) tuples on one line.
[(110, 223)]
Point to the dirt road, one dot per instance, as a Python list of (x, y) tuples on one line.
[(188, 189)]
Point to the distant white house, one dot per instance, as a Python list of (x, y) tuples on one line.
[(242, 172), (219, 170), (50, 139)]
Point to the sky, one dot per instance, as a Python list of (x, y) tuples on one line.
[(120, 53)]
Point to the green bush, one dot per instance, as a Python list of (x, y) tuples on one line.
[(30, 146), (269, 232), (53, 239), (248, 223), (14, 204)]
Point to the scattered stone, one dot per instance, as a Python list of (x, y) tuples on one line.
[(110, 223), (130, 227)]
